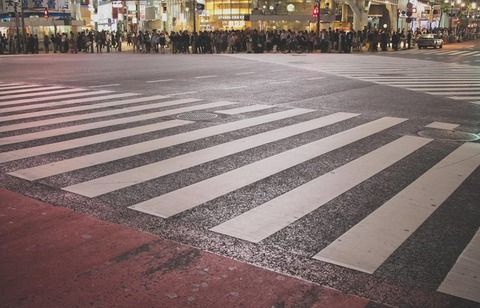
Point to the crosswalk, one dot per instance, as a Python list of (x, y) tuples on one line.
[(449, 80), (64, 135), (466, 55)]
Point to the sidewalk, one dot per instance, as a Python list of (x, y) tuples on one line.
[(53, 257)]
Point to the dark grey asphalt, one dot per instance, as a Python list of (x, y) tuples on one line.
[(408, 278)]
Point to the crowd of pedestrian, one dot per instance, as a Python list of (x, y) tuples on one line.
[(233, 41)]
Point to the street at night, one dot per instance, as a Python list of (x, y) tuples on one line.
[(355, 172)]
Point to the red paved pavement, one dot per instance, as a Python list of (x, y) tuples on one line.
[(53, 257)]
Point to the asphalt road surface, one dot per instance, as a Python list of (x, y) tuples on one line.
[(359, 172)]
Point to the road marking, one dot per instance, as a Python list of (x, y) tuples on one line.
[(442, 125), (458, 52), (13, 86), (67, 165), (205, 77), (68, 109), (14, 96), (470, 53), (105, 85), (244, 73), (67, 102), (36, 90), (264, 220), (370, 242), (463, 280), (196, 194), (99, 114), (314, 78), (244, 109), (181, 93), (439, 92), (89, 140), (51, 98), (466, 98), (465, 86), (234, 88), (94, 125), (144, 173), (160, 80), (280, 82)]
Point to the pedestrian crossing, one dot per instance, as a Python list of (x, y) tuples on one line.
[(467, 54), (462, 83), (42, 141)]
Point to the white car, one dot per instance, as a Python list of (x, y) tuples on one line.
[(429, 40)]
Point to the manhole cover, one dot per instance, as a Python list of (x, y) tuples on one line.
[(444, 134), (197, 116)]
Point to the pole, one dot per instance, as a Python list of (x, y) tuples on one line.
[(318, 18), (194, 16), (17, 26), (23, 28)]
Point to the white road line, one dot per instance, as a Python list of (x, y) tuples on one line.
[(144, 173), (314, 78), (422, 80), (370, 242), (160, 80), (439, 92), (98, 114), (280, 82), (465, 86), (458, 52), (16, 84), (181, 93), (450, 52), (89, 140), (51, 98), (465, 98), (69, 109), (196, 194), (13, 86), (205, 77), (276, 214), (463, 280), (15, 96), (233, 88), (470, 53), (88, 126), (67, 165), (244, 73), (36, 90), (67, 102), (442, 125), (105, 85), (250, 108)]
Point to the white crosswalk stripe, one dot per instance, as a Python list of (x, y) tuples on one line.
[(261, 222), (463, 280), (93, 115), (130, 177), (13, 86), (59, 156), (369, 243), (19, 91), (39, 93), (51, 98), (396, 75), (191, 196)]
